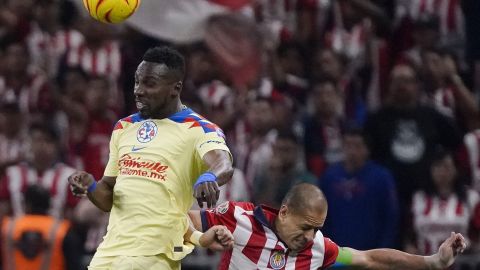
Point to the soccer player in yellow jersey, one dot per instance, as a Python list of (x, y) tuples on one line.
[(159, 158)]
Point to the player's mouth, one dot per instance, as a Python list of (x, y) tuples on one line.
[(140, 105)]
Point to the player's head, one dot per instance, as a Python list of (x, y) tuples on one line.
[(159, 81), (37, 200), (302, 214), (44, 143)]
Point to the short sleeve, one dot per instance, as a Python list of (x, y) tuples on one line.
[(112, 166), (214, 140), (331, 252), (223, 214)]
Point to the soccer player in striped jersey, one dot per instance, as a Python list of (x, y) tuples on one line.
[(290, 238), (159, 157)]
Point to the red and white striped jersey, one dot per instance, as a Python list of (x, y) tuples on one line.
[(256, 243), (19, 177), (104, 61), (449, 12), (472, 147), (435, 218), (34, 94), (46, 49), (12, 149)]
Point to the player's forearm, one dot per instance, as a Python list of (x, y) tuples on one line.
[(102, 196), (382, 259), (220, 165)]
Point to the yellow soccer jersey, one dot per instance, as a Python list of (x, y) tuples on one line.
[(156, 163)]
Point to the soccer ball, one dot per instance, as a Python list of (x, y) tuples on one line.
[(111, 11)]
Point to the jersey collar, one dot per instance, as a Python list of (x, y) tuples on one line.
[(266, 216)]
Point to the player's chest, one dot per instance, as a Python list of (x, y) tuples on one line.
[(155, 139)]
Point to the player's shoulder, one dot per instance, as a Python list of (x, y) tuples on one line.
[(195, 122), (126, 121), (232, 206)]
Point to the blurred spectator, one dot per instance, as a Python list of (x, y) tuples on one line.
[(404, 133), (445, 206), (12, 135), (37, 240), (22, 84), (361, 198), (469, 158), (99, 55), (15, 20), (289, 71), (323, 129), (48, 39), (451, 20), (252, 138), (446, 90), (425, 35), (99, 126), (283, 172), (43, 168)]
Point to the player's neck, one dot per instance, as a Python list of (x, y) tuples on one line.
[(169, 110)]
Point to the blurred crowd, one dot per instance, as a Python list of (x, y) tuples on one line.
[(375, 101)]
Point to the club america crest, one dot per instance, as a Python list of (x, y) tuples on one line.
[(147, 131)]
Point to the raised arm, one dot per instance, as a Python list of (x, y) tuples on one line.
[(100, 193), (395, 259), (219, 172)]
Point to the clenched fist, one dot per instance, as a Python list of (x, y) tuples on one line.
[(79, 182)]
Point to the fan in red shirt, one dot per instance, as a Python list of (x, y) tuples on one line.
[(290, 238)]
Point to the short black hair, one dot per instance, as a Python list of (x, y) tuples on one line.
[(170, 57), (47, 130), (37, 199), (287, 134)]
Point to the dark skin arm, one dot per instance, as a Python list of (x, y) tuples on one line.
[(102, 196), (219, 163), (395, 259)]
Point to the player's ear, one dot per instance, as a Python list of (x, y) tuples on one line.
[(283, 212), (177, 88)]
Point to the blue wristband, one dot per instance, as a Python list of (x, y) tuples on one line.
[(92, 187), (205, 177)]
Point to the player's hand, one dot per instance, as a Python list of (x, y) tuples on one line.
[(449, 249), (79, 182), (207, 192), (217, 238)]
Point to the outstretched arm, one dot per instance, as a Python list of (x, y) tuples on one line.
[(395, 259), (219, 172), (100, 193)]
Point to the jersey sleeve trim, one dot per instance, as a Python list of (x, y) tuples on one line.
[(203, 216)]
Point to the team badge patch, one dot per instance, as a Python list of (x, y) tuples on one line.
[(222, 208), (147, 131), (277, 260)]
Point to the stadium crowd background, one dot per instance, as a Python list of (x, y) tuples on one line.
[(300, 88)]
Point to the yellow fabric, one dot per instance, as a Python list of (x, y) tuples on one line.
[(134, 263), (156, 163)]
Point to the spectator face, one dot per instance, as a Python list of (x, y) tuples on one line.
[(298, 229), (200, 67), (75, 85), (260, 116), (443, 173), (46, 14), (97, 94), (403, 85), (155, 89), (44, 148), (292, 62), (16, 58), (327, 64), (285, 150), (425, 38), (326, 99), (433, 65), (355, 150)]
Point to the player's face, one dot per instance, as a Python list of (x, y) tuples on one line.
[(155, 89), (298, 229)]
